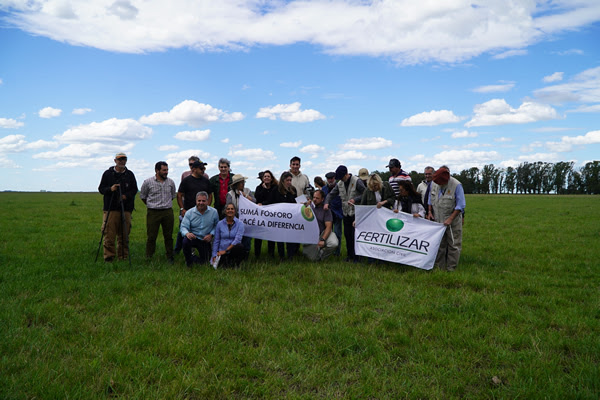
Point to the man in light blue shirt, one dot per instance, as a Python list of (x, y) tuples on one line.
[(198, 229)]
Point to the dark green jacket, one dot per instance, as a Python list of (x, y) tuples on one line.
[(387, 193)]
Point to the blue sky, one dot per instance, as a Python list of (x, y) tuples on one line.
[(334, 82)]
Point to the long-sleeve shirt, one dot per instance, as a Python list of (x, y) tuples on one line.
[(158, 195), (225, 237), (199, 224)]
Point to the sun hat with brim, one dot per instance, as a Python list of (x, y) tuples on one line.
[(237, 178), (363, 174)]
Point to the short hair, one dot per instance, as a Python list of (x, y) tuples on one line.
[(429, 167), (158, 166), (295, 158), (194, 158), (373, 182), (322, 193), (224, 161), (445, 167), (202, 193), (231, 204)]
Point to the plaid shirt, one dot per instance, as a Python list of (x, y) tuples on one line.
[(158, 195)]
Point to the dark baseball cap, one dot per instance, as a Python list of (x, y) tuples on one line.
[(394, 162), (341, 172), (198, 164), (330, 175)]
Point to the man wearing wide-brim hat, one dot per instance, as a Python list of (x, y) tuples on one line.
[(447, 202)]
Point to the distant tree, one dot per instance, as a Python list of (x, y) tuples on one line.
[(487, 174), (417, 177), (590, 174), (385, 175), (561, 172), (510, 178), (469, 179)]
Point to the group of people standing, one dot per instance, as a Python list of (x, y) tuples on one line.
[(217, 234)]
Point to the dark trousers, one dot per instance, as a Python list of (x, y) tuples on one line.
[(349, 236), (292, 249), (258, 247), (233, 257), (204, 251), (154, 220)]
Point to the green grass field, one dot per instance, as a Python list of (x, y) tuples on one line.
[(520, 318)]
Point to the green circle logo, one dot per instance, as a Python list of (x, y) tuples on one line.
[(307, 213), (394, 225)]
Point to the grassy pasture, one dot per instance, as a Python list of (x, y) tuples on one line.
[(520, 318)]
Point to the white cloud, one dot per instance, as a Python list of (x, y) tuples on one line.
[(586, 109), (408, 32), (458, 160), (12, 144), (369, 143), (505, 87), (192, 113), (570, 52), (498, 112), (568, 142), (81, 150), (251, 154), (555, 77), (179, 160), (111, 130), (464, 134), (168, 147), (431, 118), (49, 112), (42, 144), (289, 112), (81, 111), (503, 139), (226, 140), (528, 148), (510, 53), (312, 148), (9, 123), (291, 144), (582, 88), (548, 157), (193, 135)]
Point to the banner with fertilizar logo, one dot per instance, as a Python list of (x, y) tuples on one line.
[(397, 237), (281, 222)]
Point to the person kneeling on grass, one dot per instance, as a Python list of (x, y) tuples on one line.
[(198, 229), (228, 239), (328, 241)]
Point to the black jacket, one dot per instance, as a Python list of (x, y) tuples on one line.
[(128, 187)]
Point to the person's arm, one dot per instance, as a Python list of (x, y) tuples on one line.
[(334, 192), (360, 189), (388, 194), (144, 192), (238, 234), (186, 225), (180, 201), (217, 243)]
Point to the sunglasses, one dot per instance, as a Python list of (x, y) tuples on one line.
[(122, 158)]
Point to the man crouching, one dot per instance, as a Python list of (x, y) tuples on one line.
[(198, 229), (328, 242)]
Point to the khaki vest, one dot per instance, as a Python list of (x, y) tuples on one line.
[(347, 195), (445, 204)]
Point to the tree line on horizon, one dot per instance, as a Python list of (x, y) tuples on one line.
[(527, 178)]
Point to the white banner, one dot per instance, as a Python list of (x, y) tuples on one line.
[(397, 237), (281, 222)]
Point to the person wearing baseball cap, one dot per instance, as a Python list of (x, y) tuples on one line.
[(350, 190), (118, 185), (447, 204), (397, 174)]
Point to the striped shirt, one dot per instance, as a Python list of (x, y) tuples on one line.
[(158, 195), (402, 176)]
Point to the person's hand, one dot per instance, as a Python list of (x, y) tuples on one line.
[(381, 203), (448, 221), (354, 224), (183, 212), (207, 238), (115, 187), (321, 243), (351, 201), (220, 253), (416, 215), (396, 211), (190, 236), (326, 207)]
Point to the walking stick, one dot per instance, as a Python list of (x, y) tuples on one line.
[(123, 228), (104, 226)]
